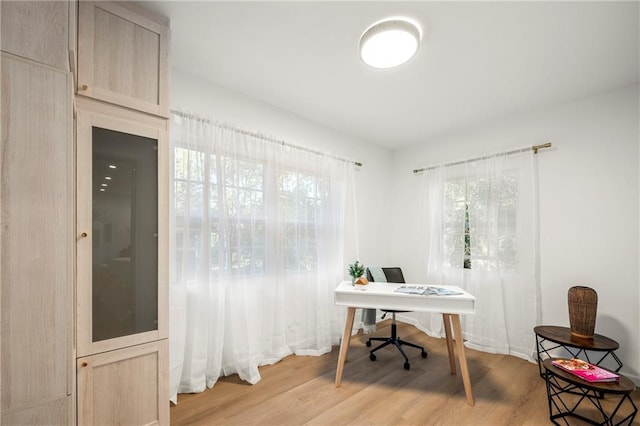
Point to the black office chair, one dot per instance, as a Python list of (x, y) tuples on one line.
[(393, 275)]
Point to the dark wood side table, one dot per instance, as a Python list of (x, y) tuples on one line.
[(550, 337), (571, 396)]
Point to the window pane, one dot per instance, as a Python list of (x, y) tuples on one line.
[(299, 203), (250, 175), (196, 200), (180, 195), (187, 258), (181, 160), (196, 166), (213, 187)]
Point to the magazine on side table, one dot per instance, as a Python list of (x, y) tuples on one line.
[(585, 370)]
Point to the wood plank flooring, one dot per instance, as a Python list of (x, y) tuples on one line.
[(300, 390)]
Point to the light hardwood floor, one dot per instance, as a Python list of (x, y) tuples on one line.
[(299, 390)]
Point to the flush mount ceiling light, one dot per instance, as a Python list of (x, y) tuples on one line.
[(389, 43)]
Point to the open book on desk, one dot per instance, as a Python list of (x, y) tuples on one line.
[(427, 290)]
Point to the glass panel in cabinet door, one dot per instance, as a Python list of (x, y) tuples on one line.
[(125, 234)]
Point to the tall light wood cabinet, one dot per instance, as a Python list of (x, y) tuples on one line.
[(121, 215), (37, 215), (83, 291)]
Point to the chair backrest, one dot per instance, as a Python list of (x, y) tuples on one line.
[(393, 275)]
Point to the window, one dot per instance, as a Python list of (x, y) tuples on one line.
[(481, 228), (479, 225), (235, 232)]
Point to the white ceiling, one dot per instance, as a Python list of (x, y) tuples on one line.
[(478, 60)]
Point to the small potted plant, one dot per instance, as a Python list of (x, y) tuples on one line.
[(356, 271)]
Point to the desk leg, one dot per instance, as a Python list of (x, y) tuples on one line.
[(462, 358), (446, 318), (344, 344)]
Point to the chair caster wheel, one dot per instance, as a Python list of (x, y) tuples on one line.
[(372, 357), (424, 354), (407, 366), (368, 343)]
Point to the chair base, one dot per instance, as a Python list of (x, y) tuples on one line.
[(397, 342)]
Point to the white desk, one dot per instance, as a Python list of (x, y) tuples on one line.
[(382, 296)]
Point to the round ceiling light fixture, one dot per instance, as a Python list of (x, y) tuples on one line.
[(389, 43)]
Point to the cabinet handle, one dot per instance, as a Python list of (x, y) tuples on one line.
[(84, 87), (84, 364), (84, 235)]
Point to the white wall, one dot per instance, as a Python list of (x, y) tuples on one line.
[(589, 205), (372, 180)]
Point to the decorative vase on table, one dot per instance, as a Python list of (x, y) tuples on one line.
[(583, 306)]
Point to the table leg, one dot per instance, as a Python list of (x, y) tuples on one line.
[(344, 344), (462, 358), (446, 318)]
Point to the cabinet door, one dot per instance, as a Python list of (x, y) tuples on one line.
[(37, 228), (127, 386), (121, 293), (37, 30), (122, 57)]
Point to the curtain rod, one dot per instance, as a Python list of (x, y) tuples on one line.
[(533, 148), (259, 136)]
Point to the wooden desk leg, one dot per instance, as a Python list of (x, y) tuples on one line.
[(462, 358), (344, 344), (446, 318)]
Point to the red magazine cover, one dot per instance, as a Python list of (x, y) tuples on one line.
[(586, 371)]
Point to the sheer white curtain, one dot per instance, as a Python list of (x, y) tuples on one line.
[(481, 229), (257, 247)]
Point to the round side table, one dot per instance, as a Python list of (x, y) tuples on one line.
[(571, 396), (550, 337)]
